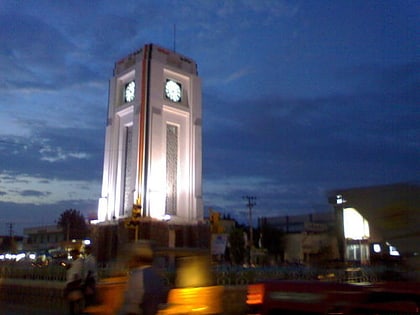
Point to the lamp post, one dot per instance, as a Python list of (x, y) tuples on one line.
[(338, 201)]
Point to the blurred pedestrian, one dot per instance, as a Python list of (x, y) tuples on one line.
[(74, 291), (90, 276), (145, 289)]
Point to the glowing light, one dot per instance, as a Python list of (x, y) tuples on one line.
[(200, 300), (340, 200), (377, 248), (393, 251), (356, 227), (20, 256), (255, 294)]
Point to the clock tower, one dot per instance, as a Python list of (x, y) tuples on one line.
[(153, 150)]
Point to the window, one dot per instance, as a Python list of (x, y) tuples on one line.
[(171, 168)]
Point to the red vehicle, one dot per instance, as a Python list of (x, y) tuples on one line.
[(318, 297)]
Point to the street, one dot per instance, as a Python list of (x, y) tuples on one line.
[(8, 309)]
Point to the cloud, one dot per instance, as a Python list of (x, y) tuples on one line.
[(306, 146), (295, 101), (393, 80), (57, 154), (69, 149), (38, 190), (236, 75), (34, 193), (28, 62), (37, 56), (273, 197)]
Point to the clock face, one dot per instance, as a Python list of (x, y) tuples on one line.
[(129, 92), (173, 91)]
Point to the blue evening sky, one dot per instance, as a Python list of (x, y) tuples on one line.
[(299, 98)]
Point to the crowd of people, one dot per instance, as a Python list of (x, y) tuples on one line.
[(144, 291)]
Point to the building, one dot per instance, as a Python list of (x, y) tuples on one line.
[(41, 238), (152, 171), (308, 238), (153, 145), (379, 222)]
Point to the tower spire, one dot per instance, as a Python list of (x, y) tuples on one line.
[(174, 37)]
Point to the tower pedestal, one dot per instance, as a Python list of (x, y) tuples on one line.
[(113, 237)]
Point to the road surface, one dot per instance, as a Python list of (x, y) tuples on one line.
[(9, 309)]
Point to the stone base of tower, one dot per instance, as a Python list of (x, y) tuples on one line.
[(110, 238)]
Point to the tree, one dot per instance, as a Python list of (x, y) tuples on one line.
[(273, 240), (237, 245), (73, 224)]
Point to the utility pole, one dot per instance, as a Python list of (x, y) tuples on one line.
[(10, 225), (12, 246), (250, 204)]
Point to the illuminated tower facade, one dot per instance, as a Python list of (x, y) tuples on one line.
[(153, 142)]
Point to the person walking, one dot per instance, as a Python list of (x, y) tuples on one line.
[(145, 289), (90, 276), (73, 290)]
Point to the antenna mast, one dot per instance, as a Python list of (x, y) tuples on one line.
[(174, 37)]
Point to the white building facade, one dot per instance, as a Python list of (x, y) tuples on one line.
[(153, 142)]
